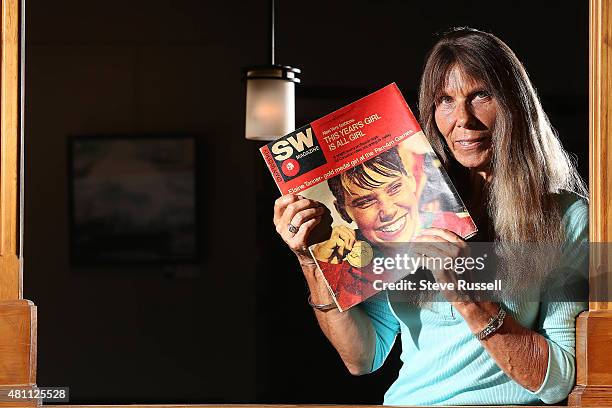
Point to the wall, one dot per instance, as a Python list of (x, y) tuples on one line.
[(141, 66)]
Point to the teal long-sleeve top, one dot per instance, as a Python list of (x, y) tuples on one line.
[(444, 364)]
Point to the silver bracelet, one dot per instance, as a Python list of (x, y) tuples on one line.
[(494, 324), (323, 308)]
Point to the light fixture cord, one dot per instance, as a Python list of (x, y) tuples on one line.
[(272, 10)]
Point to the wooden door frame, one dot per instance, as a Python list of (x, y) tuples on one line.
[(18, 316), (594, 327)]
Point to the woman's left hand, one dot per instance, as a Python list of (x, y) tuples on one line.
[(447, 247)]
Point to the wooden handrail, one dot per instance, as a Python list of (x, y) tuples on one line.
[(274, 406)]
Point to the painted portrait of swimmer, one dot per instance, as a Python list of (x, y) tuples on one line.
[(383, 199)]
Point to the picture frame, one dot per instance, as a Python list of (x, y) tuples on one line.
[(132, 199)]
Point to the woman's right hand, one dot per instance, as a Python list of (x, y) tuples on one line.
[(351, 333), (304, 214)]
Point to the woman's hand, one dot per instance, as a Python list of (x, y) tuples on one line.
[(443, 245), (337, 246), (520, 352), (303, 214), (351, 332)]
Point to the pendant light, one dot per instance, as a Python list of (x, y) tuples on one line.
[(270, 96)]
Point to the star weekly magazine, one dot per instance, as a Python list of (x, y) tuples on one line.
[(375, 172)]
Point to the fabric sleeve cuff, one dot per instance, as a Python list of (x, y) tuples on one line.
[(383, 345), (384, 336), (559, 377)]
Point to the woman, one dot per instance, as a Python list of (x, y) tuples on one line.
[(484, 119)]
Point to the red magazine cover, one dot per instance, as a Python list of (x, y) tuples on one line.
[(372, 167)]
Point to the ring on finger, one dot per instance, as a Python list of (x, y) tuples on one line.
[(292, 228)]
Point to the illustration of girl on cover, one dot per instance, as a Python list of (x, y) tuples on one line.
[(390, 198)]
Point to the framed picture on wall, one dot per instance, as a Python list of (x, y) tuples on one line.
[(132, 199)]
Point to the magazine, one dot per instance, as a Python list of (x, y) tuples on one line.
[(372, 167)]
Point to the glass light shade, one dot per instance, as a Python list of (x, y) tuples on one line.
[(270, 102)]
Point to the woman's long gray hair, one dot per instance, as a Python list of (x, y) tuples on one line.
[(528, 161)]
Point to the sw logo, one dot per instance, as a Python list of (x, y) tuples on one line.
[(299, 141), (300, 149)]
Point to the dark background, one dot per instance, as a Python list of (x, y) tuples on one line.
[(239, 329)]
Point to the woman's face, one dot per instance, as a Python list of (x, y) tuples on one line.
[(388, 213), (465, 115)]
